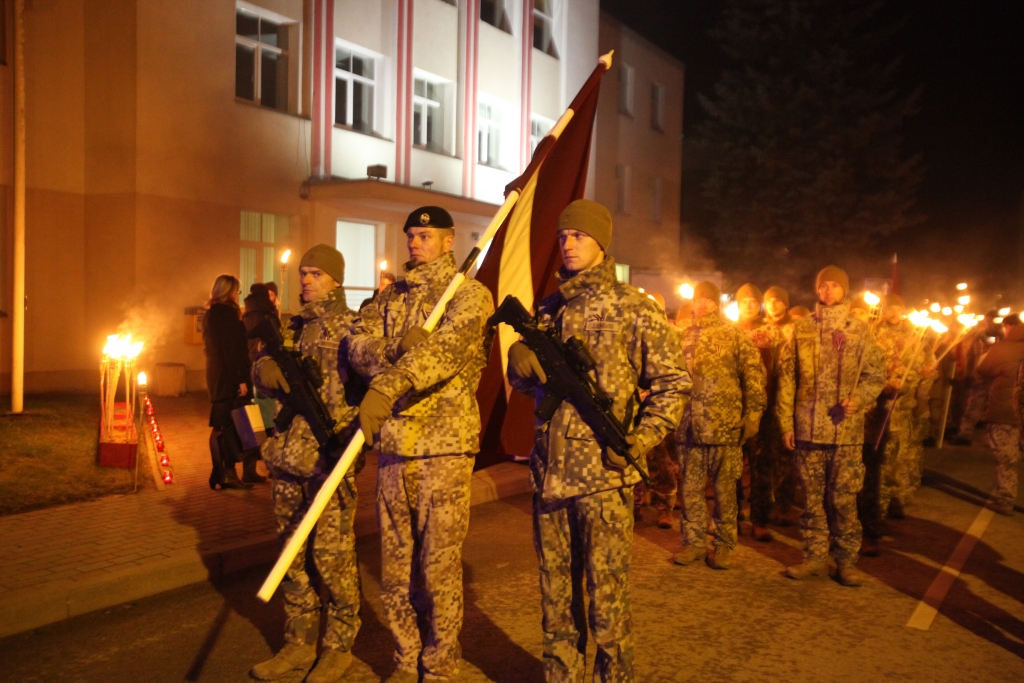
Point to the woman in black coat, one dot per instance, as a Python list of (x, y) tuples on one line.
[(227, 379)]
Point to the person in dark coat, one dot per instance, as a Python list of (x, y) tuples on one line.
[(261, 303), (227, 378)]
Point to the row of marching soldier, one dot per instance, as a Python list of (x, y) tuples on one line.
[(699, 395)]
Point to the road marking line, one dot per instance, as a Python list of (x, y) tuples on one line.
[(928, 608)]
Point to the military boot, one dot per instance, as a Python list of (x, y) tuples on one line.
[(1002, 507), (869, 547), (848, 575), (401, 676), (689, 554), (720, 560), (292, 657), (896, 509), (664, 517), (332, 666), (762, 533), (807, 569)]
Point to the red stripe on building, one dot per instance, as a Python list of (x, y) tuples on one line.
[(328, 85), (469, 112), (409, 82), (316, 133)]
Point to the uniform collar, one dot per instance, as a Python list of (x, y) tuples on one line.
[(751, 324), (332, 303), (442, 268), (832, 316), (780, 322), (709, 319), (591, 281)]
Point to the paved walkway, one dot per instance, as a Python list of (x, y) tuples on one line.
[(64, 561)]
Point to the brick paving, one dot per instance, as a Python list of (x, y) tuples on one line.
[(66, 560)]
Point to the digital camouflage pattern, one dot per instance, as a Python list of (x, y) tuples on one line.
[(663, 469), (434, 384), (298, 469), (760, 454), (596, 531), (334, 555), (722, 465), (728, 382), (728, 388), (634, 348), (424, 467), (317, 332), (423, 508), (836, 473), (1004, 440), (784, 479), (819, 368), (582, 504)]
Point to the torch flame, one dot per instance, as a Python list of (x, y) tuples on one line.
[(285, 256), (935, 307), (871, 299), (732, 311), (122, 347), (962, 286), (1004, 311), (142, 379), (964, 300), (383, 266), (686, 290), (939, 327), (958, 308), (946, 310)]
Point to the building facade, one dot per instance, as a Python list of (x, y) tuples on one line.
[(170, 142)]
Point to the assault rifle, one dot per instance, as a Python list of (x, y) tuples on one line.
[(304, 379), (568, 366)]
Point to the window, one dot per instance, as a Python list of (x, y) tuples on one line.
[(264, 238), (622, 178), (658, 107), (488, 134), (428, 114), (261, 60), (626, 90), (539, 127), (357, 242), (354, 89), (656, 200), (544, 27), (493, 12)]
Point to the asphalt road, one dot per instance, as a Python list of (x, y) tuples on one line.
[(692, 624)]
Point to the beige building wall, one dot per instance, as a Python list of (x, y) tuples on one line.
[(141, 160), (635, 158)]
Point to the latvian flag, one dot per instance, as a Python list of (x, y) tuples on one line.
[(523, 258)]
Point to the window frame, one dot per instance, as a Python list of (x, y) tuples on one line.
[(627, 78), (491, 125), (258, 47), (658, 107), (504, 21), (439, 105), (548, 20), (350, 79), (535, 138)]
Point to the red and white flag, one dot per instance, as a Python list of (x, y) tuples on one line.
[(523, 258)]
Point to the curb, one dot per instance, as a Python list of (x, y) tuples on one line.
[(41, 605)]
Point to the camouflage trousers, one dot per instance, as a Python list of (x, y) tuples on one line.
[(664, 472), (977, 401), (898, 460), (831, 477), (722, 465), (586, 536), (423, 509), (1004, 440), (762, 466), (332, 559), (922, 425)]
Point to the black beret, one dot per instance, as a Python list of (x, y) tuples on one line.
[(429, 217)]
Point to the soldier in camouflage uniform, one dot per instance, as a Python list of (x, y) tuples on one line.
[(583, 491), (784, 479), (757, 454), (724, 412), (422, 402), (298, 470), (820, 408)]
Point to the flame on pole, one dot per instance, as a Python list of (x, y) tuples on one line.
[(118, 437)]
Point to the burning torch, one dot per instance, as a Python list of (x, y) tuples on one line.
[(284, 277)]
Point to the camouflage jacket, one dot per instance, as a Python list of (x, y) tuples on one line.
[(434, 384), (320, 327), (634, 348), (728, 382), (818, 369)]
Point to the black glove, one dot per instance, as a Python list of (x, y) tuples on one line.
[(523, 361)]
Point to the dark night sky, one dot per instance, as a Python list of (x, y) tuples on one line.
[(968, 58)]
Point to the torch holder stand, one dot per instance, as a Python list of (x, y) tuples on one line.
[(119, 439)]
